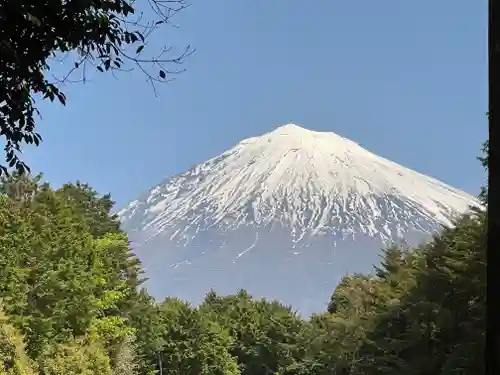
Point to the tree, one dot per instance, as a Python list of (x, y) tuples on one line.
[(108, 35), (21, 187), (57, 280), (438, 326), (125, 361), (268, 337), (484, 162), (96, 209), (75, 358), (193, 344), (69, 289), (13, 358), (145, 318)]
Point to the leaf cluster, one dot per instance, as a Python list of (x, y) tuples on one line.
[(72, 304)]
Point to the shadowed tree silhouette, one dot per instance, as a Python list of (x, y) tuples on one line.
[(105, 35)]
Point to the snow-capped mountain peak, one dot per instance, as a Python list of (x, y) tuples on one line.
[(310, 182), (284, 215)]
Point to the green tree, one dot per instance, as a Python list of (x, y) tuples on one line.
[(75, 358), (438, 327), (192, 343), (21, 187), (126, 361), (269, 337), (13, 358), (484, 159), (96, 209), (58, 281), (149, 332)]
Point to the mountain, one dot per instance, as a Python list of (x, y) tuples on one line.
[(284, 215)]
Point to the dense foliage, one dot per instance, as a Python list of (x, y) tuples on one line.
[(71, 304)]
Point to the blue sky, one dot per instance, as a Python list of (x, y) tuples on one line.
[(405, 79)]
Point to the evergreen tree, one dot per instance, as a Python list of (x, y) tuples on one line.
[(269, 337), (95, 208), (439, 326), (58, 281)]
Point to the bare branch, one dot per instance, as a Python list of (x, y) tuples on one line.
[(99, 36)]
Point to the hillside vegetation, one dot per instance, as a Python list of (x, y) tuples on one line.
[(72, 304)]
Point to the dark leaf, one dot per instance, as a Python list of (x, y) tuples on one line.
[(62, 98), (33, 19), (162, 74)]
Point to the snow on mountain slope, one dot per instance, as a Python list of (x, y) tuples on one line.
[(290, 188), (308, 181)]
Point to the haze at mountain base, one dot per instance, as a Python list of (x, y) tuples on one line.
[(285, 216)]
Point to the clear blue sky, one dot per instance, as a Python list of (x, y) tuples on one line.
[(405, 79)]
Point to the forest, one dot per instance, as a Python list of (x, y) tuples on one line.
[(72, 303)]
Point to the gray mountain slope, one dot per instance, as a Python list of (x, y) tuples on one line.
[(285, 216)]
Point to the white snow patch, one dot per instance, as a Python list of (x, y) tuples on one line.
[(312, 183)]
